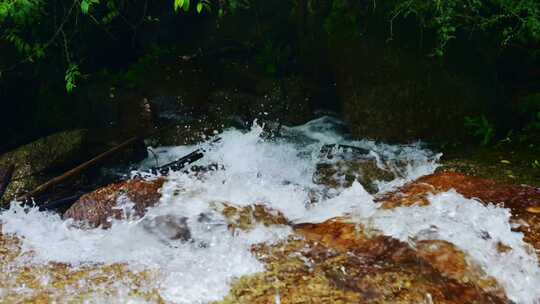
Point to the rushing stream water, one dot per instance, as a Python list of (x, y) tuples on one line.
[(277, 172)]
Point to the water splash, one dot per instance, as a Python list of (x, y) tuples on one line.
[(278, 173), (476, 229)]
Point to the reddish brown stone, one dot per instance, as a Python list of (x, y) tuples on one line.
[(515, 197), (523, 201), (95, 208), (384, 270)]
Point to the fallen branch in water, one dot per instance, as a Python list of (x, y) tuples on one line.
[(180, 163), (5, 178), (183, 161), (77, 170), (61, 203)]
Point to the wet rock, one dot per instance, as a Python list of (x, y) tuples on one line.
[(245, 218), (168, 227), (523, 201), (288, 101), (395, 93), (453, 263), (187, 133), (508, 163), (338, 262), (332, 262), (118, 201), (535, 210), (5, 178), (517, 198), (108, 108), (132, 116), (35, 161), (231, 102), (136, 117), (342, 174), (21, 282)]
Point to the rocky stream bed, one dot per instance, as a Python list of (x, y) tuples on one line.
[(282, 220)]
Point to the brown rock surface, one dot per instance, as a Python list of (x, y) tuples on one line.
[(343, 173), (25, 282), (246, 218), (523, 201), (95, 208), (517, 198), (338, 262)]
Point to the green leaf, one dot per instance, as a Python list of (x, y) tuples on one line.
[(186, 5), (178, 4), (72, 74), (85, 6), (199, 7)]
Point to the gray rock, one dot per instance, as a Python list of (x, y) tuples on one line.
[(168, 227), (343, 173)]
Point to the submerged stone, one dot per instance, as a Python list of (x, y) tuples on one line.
[(22, 281), (168, 227), (343, 173), (246, 218)]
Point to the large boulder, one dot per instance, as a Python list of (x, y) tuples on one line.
[(523, 201), (289, 101), (337, 262), (35, 161), (65, 282), (393, 91), (129, 199)]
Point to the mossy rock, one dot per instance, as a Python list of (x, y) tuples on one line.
[(32, 161), (343, 173)]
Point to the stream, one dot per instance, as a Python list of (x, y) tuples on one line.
[(277, 172)]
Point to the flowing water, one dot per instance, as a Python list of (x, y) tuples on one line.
[(277, 172)]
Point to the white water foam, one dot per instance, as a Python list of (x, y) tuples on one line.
[(477, 230), (278, 173)]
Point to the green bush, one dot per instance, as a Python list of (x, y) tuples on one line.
[(480, 127), (507, 22), (53, 29)]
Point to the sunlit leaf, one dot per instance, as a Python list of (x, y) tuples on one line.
[(85, 6), (178, 4)]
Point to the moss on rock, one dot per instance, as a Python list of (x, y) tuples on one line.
[(34, 160)]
